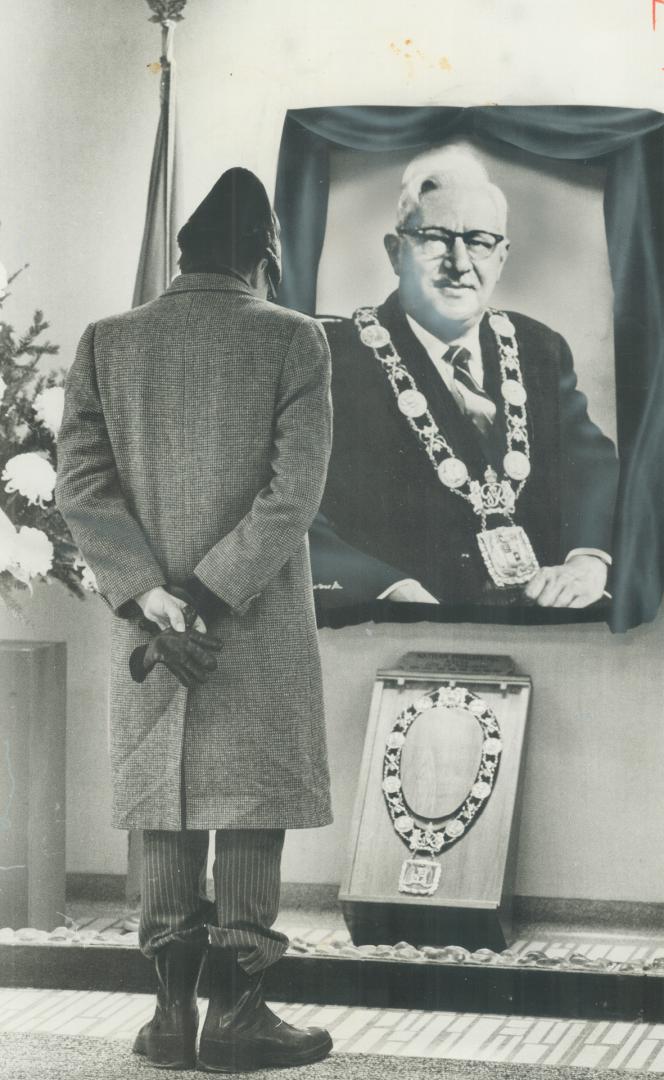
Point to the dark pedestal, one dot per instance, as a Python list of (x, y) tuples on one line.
[(387, 924), (32, 783)]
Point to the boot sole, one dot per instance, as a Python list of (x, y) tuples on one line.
[(248, 1059), (165, 1053)]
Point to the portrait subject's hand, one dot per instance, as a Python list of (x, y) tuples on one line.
[(167, 611), (576, 584), (411, 592)]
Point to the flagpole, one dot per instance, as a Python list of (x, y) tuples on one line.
[(167, 89), (156, 261)]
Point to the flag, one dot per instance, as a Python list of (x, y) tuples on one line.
[(158, 259)]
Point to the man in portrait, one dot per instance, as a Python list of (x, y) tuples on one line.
[(465, 468), (191, 462)]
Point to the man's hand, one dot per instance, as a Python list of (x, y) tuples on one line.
[(189, 656), (166, 610), (576, 584), (411, 592)]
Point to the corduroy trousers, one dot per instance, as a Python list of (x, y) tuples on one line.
[(247, 880)]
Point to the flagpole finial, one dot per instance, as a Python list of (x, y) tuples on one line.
[(166, 11)]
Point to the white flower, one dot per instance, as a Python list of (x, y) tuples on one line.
[(21, 431), (403, 823), (88, 580), (49, 406), (477, 707), (492, 746), (3, 281), (33, 554), (32, 476), (7, 542), (391, 784), (395, 740)]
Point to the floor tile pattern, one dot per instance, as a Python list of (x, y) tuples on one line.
[(453, 1036)]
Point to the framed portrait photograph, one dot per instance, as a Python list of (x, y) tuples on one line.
[(471, 271)]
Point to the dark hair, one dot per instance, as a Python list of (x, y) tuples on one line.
[(233, 226), (207, 252)]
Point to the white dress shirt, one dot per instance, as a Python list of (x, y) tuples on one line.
[(436, 350)]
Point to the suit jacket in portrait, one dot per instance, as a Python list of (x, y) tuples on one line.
[(195, 438), (384, 500)]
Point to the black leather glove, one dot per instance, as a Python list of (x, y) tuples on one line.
[(189, 655)]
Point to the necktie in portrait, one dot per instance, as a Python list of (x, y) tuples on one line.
[(476, 402)]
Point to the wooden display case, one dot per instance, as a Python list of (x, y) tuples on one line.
[(472, 901)]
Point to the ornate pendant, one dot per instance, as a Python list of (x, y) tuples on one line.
[(508, 555), (419, 877)]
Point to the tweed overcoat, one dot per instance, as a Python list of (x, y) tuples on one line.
[(195, 438)]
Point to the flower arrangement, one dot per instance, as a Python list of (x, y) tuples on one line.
[(35, 543)]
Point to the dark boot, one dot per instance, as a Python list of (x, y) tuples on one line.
[(169, 1039), (240, 1033)]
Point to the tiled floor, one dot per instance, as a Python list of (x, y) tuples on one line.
[(638, 1047), (542, 1042)]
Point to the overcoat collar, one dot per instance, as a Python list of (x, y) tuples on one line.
[(208, 283)]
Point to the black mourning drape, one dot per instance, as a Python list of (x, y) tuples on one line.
[(630, 143)]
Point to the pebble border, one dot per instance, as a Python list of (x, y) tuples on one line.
[(344, 949)]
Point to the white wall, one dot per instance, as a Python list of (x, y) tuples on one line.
[(77, 120), (592, 812)]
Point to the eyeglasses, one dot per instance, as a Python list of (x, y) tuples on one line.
[(435, 242)]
